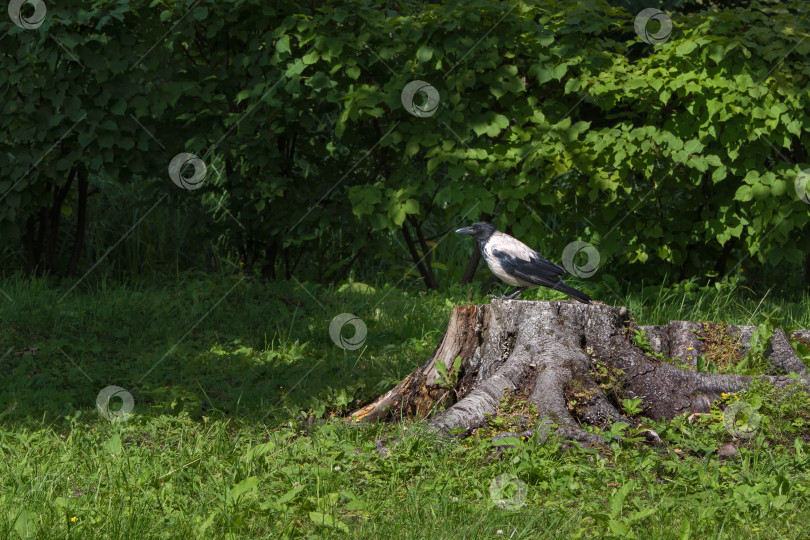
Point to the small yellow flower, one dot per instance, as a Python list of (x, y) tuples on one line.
[(74, 519), (182, 391), (740, 270), (689, 348)]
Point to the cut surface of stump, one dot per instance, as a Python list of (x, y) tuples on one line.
[(555, 355)]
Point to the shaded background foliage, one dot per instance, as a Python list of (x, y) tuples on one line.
[(555, 120)]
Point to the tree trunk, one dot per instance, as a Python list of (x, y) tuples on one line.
[(807, 268), (52, 239), (472, 264), (81, 225), (31, 246), (475, 258), (270, 256), (574, 362), (427, 276), (430, 276)]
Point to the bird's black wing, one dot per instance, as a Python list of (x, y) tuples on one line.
[(536, 270), (539, 271)]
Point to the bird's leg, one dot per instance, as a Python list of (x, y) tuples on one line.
[(510, 295), (516, 292)]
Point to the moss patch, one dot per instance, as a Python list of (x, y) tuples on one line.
[(720, 347), (515, 414)]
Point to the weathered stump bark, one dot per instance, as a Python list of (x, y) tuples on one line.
[(556, 354)]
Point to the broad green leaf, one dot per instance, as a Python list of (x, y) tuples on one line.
[(246, 485), (26, 524), (744, 194), (283, 44), (113, 444), (290, 495), (685, 47), (328, 521), (617, 501)]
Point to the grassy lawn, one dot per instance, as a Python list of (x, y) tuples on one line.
[(238, 425)]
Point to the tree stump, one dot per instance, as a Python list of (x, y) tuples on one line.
[(555, 355)]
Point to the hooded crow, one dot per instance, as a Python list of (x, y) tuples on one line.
[(517, 264)]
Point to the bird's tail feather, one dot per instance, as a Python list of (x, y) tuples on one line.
[(572, 292)]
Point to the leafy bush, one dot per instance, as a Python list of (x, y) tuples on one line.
[(678, 159)]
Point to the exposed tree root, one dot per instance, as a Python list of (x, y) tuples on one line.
[(562, 356)]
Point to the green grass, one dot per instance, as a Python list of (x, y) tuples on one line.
[(237, 430)]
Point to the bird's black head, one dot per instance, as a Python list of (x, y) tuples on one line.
[(481, 231)]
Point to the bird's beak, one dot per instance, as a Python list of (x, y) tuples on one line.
[(465, 230)]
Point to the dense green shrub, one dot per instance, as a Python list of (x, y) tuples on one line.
[(679, 158)]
